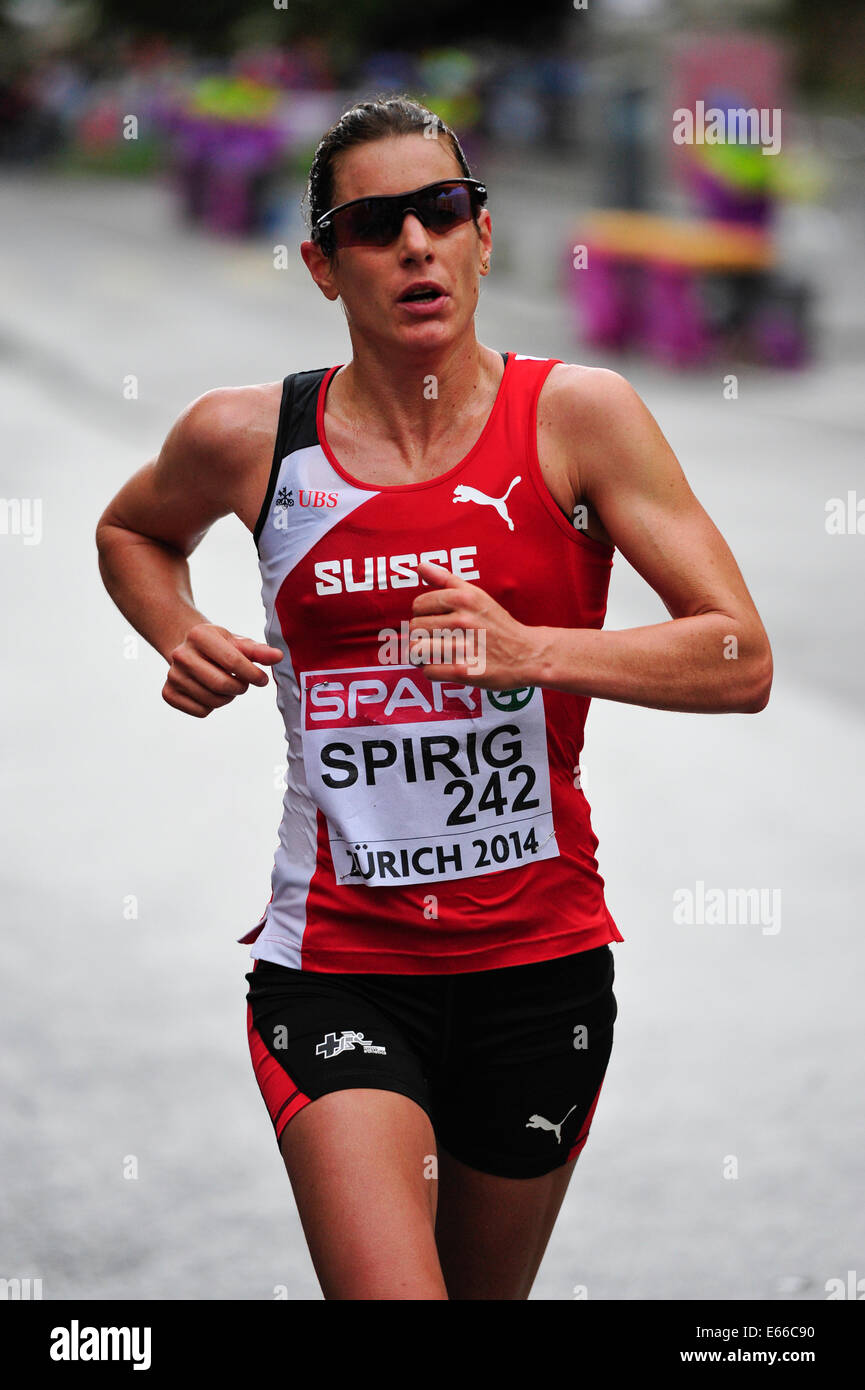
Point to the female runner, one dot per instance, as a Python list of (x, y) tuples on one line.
[(430, 1010)]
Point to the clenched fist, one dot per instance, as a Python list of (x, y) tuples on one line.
[(211, 666)]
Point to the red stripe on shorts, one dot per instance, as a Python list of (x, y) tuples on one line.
[(583, 1135), (281, 1096)]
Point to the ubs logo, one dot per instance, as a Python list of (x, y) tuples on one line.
[(307, 497)]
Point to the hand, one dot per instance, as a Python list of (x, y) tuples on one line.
[(211, 666), (491, 648)]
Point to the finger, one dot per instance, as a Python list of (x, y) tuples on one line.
[(200, 676), (450, 672), (437, 601), (219, 650), (196, 690), (437, 575), (432, 624), (259, 651), (461, 674), (184, 704)]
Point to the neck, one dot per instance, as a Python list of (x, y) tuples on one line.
[(413, 404)]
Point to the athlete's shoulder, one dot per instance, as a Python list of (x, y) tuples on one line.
[(574, 388), (592, 405), (220, 423)]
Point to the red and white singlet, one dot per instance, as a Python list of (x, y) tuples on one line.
[(428, 827)]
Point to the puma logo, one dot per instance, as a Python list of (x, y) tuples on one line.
[(538, 1122), (462, 493)]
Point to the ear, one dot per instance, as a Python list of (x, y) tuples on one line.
[(485, 236), (320, 268)]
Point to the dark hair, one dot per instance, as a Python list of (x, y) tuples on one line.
[(367, 121)]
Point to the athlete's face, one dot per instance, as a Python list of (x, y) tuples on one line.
[(371, 279)]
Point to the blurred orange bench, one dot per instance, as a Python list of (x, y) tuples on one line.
[(698, 245), (685, 291)]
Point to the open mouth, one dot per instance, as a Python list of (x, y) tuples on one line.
[(421, 296)]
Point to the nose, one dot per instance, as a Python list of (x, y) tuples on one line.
[(414, 239)]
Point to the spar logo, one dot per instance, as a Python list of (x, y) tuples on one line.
[(380, 696)]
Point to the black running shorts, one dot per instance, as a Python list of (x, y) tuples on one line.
[(508, 1063)]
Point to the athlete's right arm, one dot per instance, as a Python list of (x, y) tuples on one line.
[(146, 534)]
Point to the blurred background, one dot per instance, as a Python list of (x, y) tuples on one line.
[(153, 162)]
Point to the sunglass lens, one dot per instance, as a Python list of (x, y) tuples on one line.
[(377, 221), (367, 223), (447, 207)]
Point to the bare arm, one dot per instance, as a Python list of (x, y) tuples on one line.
[(144, 538), (713, 657), (150, 583)]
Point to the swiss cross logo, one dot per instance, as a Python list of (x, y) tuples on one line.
[(348, 1040), (380, 696)]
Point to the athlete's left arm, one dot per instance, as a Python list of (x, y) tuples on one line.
[(713, 657)]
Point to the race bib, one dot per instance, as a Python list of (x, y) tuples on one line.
[(425, 780)]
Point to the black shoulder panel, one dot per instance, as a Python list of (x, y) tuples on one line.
[(295, 429)]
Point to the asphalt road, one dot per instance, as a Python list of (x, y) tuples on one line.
[(138, 842)]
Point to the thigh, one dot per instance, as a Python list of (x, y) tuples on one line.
[(362, 1168), (528, 1057), (491, 1233), (347, 1094)]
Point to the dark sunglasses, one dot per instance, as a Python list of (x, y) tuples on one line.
[(378, 221)]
